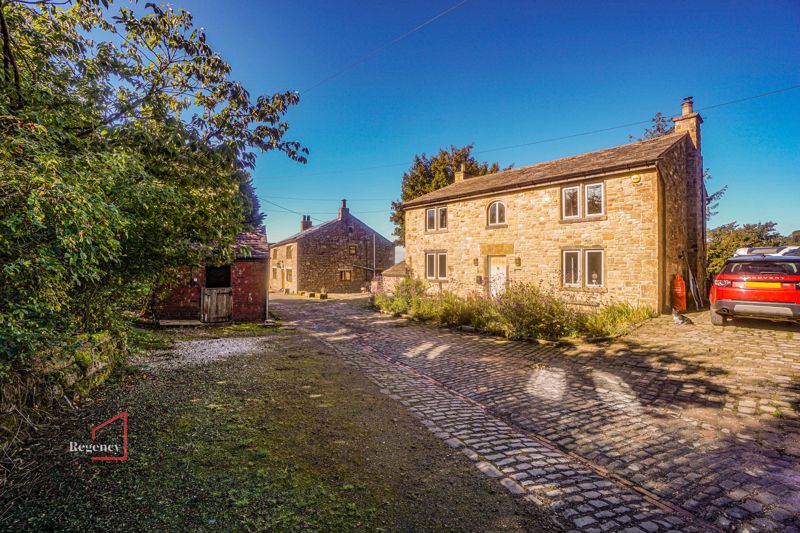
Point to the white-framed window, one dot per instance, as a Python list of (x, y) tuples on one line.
[(436, 218), (571, 268), (436, 265), (497, 213), (595, 268), (442, 217), (345, 275), (288, 274), (571, 202), (430, 219), (594, 194)]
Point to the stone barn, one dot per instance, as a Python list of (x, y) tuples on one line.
[(341, 255), (234, 292)]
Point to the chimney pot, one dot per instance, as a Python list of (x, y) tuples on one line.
[(306, 223), (343, 211), (687, 108), (461, 173)]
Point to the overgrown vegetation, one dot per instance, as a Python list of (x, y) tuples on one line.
[(523, 311), (124, 157)]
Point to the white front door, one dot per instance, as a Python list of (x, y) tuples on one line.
[(498, 267)]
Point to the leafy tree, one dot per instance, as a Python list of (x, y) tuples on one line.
[(724, 240), (662, 125), (794, 237), (125, 156), (428, 174)]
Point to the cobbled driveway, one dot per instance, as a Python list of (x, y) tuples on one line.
[(682, 428)]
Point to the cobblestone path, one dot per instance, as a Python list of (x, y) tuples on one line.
[(651, 433)]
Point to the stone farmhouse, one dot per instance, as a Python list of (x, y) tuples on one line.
[(600, 227), (341, 255)]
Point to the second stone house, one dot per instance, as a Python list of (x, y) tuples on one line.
[(341, 255), (614, 225)]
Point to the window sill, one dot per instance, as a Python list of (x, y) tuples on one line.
[(436, 280), (434, 231), (583, 219), (496, 226), (585, 289)]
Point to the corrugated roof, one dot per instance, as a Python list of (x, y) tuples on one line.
[(609, 160), (256, 241)]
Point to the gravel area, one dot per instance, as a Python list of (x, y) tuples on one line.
[(201, 351)]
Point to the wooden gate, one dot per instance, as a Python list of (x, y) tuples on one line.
[(217, 304)]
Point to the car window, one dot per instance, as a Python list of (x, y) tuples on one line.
[(790, 268)]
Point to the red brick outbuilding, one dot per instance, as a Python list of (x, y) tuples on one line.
[(234, 292)]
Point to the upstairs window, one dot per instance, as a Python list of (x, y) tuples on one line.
[(595, 201), (497, 214), (436, 218), (289, 252), (442, 218), (430, 219), (571, 202), (274, 253), (352, 249)]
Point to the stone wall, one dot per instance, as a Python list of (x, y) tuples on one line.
[(683, 203), (535, 235), (278, 266)]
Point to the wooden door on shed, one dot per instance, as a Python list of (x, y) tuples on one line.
[(217, 304)]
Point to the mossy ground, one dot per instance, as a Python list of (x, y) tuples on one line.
[(288, 439)]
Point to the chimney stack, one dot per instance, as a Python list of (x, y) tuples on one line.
[(305, 223), (343, 211), (689, 121), (461, 173)]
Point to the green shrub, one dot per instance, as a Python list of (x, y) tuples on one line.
[(524, 311), (529, 312), (614, 319)]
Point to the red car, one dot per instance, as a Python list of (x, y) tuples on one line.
[(757, 286)]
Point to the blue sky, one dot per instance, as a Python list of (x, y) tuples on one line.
[(499, 73)]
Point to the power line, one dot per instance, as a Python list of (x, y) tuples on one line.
[(547, 140), (330, 199), (383, 47), (333, 212)]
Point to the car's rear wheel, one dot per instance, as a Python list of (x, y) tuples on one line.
[(717, 319)]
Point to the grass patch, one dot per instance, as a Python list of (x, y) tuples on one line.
[(524, 311)]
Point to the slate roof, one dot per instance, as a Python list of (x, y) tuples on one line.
[(256, 241), (397, 270), (309, 231), (620, 158)]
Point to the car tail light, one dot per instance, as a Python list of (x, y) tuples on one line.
[(722, 282)]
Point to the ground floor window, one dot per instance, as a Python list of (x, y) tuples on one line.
[(571, 268), (583, 268), (345, 275), (436, 265), (288, 274), (274, 273), (594, 268)]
